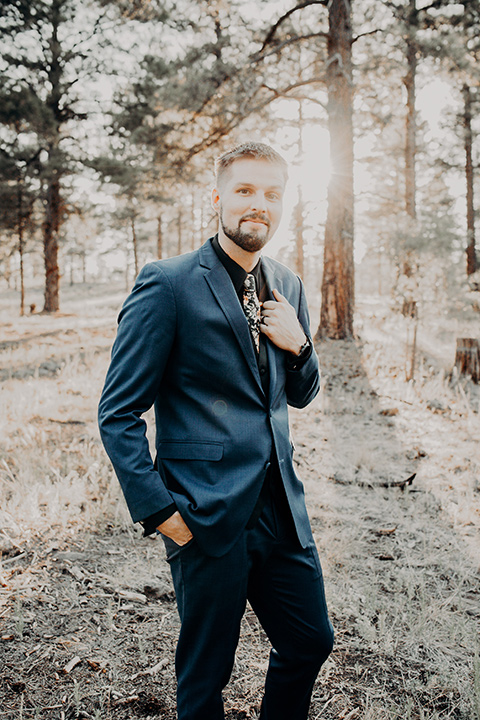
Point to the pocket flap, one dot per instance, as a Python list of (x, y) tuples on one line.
[(189, 450)]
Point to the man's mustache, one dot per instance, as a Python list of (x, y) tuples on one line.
[(261, 218)]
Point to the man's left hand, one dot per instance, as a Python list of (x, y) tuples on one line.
[(280, 324)]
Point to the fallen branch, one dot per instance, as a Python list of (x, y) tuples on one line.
[(70, 665), (153, 670), (402, 484)]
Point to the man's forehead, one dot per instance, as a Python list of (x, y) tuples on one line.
[(253, 171)]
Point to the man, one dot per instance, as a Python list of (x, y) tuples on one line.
[(218, 341)]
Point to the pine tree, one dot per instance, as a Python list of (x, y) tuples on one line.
[(19, 186), (47, 62), (336, 315)]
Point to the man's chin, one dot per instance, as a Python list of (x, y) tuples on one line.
[(251, 241)]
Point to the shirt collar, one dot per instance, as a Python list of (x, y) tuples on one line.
[(236, 272)]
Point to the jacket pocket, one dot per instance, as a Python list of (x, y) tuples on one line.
[(189, 450)]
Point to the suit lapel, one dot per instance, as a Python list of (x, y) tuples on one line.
[(224, 293)]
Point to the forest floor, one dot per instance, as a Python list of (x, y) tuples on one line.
[(88, 620)]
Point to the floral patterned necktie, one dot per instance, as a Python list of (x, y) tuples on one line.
[(251, 307)]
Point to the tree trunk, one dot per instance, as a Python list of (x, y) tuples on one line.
[(21, 245), (410, 120), (50, 246), (299, 209), (179, 231), (299, 264), (134, 244), (468, 142), (54, 209), (336, 316), (467, 357), (193, 233), (159, 238)]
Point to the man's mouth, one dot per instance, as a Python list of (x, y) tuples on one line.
[(256, 220)]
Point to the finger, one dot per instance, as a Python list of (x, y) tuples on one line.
[(279, 297), (266, 329), (269, 305)]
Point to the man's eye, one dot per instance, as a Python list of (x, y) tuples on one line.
[(273, 196), (244, 191)]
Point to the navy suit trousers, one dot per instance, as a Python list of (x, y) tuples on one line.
[(283, 583)]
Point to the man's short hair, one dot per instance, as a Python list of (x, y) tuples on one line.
[(253, 150)]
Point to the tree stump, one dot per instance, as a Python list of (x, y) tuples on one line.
[(467, 357)]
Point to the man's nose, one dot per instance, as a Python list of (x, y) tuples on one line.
[(259, 202)]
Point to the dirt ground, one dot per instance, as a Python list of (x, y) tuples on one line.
[(391, 468)]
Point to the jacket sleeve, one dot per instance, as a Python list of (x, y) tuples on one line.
[(140, 352), (303, 382)]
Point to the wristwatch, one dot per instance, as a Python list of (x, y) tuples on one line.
[(304, 350)]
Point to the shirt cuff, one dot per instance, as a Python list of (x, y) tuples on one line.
[(151, 523)]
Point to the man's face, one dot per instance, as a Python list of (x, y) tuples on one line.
[(249, 202)]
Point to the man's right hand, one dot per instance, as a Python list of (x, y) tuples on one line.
[(176, 529)]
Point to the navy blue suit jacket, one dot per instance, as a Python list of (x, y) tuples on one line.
[(184, 346)]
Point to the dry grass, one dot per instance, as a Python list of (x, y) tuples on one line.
[(401, 567)]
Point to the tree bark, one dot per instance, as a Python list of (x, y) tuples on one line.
[(54, 209), (179, 231), (336, 315), (51, 227), (159, 238), (193, 232), (299, 209), (472, 265), (467, 357), (299, 234), (410, 119), (21, 245)]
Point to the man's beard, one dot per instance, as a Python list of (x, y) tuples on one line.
[(252, 241)]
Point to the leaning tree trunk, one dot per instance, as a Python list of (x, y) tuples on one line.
[(51, 228), (336, 316), (468, 142)]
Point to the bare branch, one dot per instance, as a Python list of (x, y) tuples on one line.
[(365, 34), (260, 56), (274, 28), (284, 92)]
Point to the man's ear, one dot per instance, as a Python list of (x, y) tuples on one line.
[(216, 200)]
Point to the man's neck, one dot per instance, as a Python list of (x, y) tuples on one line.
[(246, 260)]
